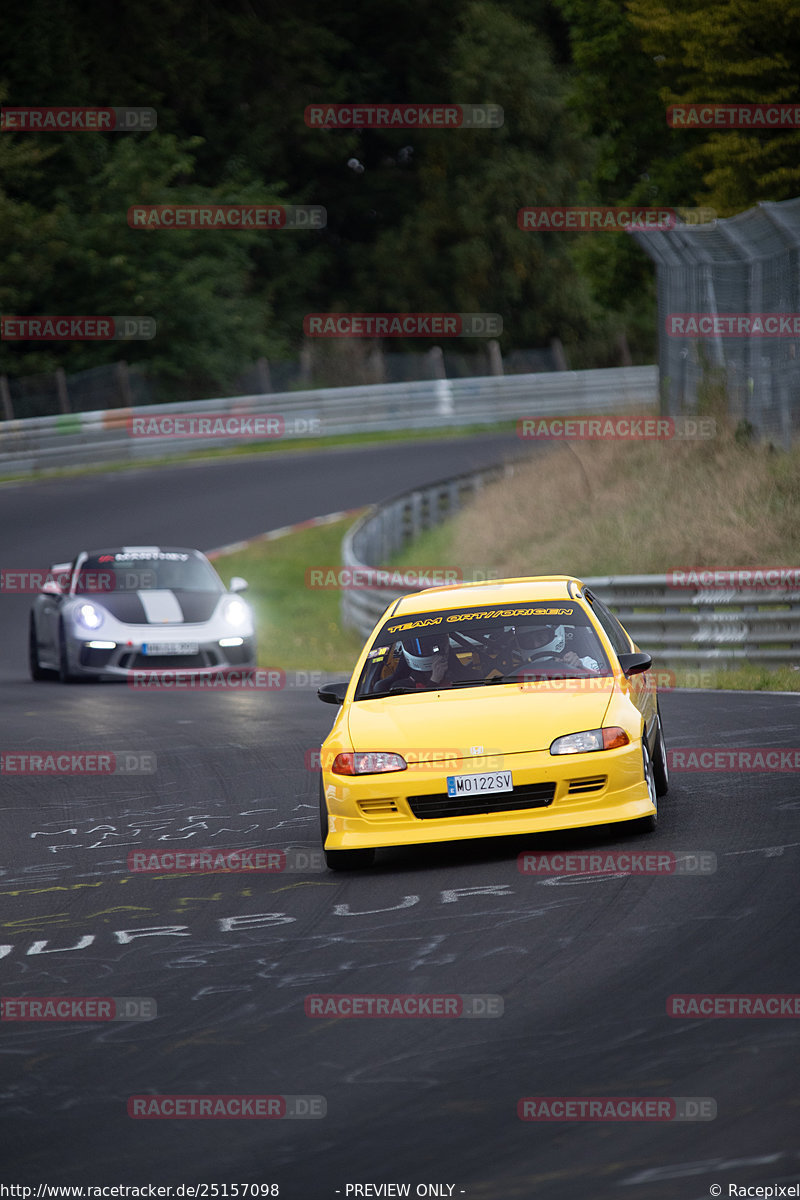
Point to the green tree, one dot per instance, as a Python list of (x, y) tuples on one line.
[(459, 248), (729, 51)]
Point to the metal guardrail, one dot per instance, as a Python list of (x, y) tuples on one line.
[(686, 626), (86, 439)]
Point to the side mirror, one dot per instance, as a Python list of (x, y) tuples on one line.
[(635, 664), (238, 584), (51, 588), (333, 693)]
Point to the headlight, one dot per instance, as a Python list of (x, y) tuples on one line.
[(374, 762), (235, 612), (590, 739), (89, 616)]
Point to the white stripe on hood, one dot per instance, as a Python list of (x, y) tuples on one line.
[(161, 608)]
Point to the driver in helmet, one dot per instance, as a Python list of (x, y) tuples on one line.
[(541, 641)]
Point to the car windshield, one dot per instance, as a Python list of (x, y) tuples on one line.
[(158, 570), (475, 647)]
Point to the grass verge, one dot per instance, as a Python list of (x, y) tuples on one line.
[(299, 627)]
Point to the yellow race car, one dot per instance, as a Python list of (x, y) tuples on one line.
[(482, 710)]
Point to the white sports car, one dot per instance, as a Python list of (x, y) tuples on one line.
[(111, 612)]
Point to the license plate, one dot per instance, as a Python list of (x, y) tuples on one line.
[(152, 649), (479, 785)]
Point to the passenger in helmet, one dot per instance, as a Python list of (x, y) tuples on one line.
[(424, 663)]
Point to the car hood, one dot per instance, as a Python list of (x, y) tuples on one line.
[(153, 607), (471, 722)]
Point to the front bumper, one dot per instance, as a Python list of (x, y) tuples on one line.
[(587, 789), (126, 659)]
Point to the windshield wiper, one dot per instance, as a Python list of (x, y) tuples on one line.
[(397, 689)]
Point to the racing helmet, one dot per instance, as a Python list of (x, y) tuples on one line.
[(419, 652), (528, 639)]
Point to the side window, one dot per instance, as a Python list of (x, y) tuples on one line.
[(616, 634)]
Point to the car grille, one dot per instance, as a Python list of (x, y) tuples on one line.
[(90, 656), (161, 662), (526, 795), (594, 784), (379, 808)]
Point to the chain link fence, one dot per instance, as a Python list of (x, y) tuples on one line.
[(742, 266)]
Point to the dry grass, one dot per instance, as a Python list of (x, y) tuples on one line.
[(599, 508)]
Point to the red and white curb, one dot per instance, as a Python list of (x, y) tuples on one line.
[(285, 530)]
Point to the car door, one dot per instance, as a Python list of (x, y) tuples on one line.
[(642, 691)]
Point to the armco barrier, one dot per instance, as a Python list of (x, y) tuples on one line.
[(86, 439), (684, 626)]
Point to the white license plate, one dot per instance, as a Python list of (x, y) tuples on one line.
[(479, 785), (152, 649)]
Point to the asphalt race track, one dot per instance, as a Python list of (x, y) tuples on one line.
[(583, 964)]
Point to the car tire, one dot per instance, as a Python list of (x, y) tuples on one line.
[(649, 823), (64, 673), (38, 672), (660, 766), (340, 860)]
